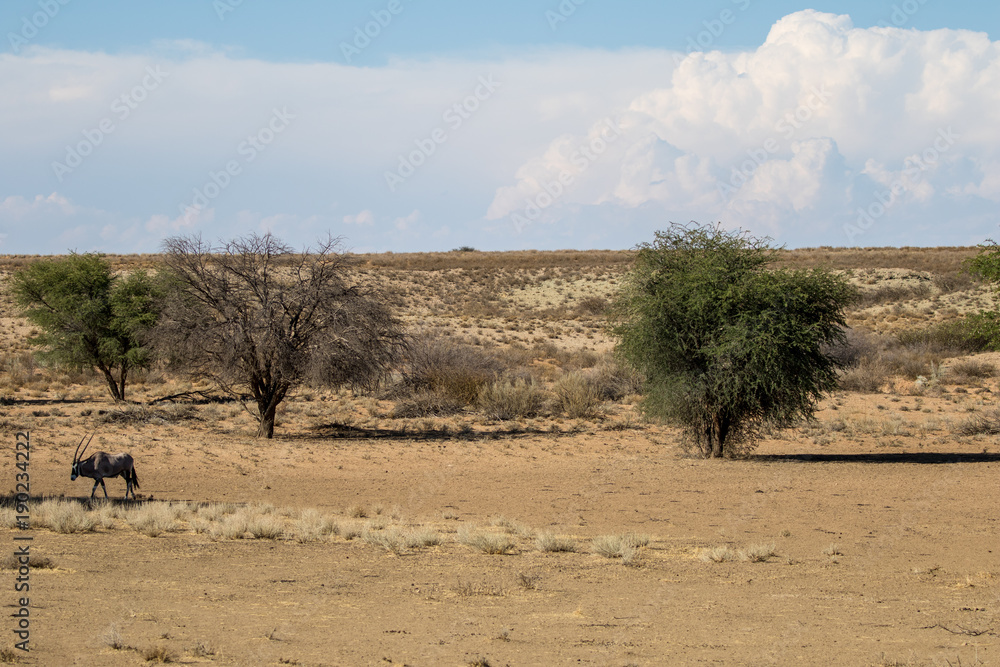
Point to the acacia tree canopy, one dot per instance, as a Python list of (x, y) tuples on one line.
[(89, 317), (728, 344), (259, 319)]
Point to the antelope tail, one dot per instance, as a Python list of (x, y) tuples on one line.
[(135, 479)]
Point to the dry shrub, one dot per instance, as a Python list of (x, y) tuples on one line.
[(576, 395), (867, 377), (987, 423), (510, 399), (857, 347), (969, 371), (454, 370), (593, 306), (612, 381), (889, 293)]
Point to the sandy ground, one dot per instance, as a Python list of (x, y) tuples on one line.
[(911, 574)]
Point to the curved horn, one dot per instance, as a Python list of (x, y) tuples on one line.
[(77, 458)]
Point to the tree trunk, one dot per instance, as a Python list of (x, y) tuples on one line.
[(266, 427), (267, 406), (117, 393)]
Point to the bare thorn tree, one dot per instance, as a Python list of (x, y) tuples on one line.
[(259, 319)]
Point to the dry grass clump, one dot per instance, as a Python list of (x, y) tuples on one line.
[(422, 537), (63, 517), (265, 526), (833, 550), (625, 547), (511, 527), (35, 561), (576, 395), (718, 554), (391, 540), (550, 543), (8, 517), (510, 399), (486, 541), (311, 526), (757, 553), (249, 521), (159, 653), (153, 519)]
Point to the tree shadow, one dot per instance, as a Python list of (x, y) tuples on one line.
[(344, 432), (936, 458)]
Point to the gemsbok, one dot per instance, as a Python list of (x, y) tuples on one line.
[(99, 465)]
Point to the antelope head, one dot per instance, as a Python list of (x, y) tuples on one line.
[(77, 456)]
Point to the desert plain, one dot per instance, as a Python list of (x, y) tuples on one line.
[(392, 529)]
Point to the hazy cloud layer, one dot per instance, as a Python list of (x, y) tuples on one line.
[(825, 134)]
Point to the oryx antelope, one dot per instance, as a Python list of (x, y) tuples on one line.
[(99, 465)]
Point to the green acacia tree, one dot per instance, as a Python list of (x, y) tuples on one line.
[(727, 343), (88, 316)]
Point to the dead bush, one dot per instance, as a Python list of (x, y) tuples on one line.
[(987, 423), (867, 377), (458, 372), (858, 346)]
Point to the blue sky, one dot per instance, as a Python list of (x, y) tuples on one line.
[(572, 124)]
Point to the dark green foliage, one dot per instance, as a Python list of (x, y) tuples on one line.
[(89, 316), (727, 345)]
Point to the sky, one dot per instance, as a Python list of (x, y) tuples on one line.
[(412, 125)]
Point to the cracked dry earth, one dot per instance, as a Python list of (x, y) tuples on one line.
[(880, 556)]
